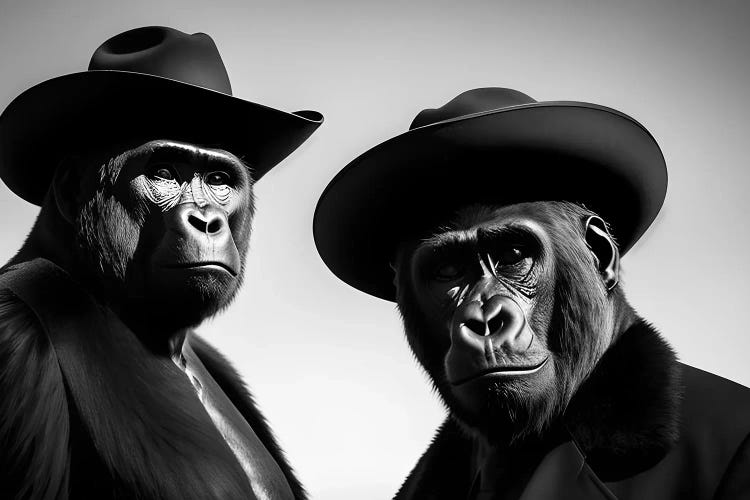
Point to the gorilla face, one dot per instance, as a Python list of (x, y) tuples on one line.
[(166, 225), (508, 310)]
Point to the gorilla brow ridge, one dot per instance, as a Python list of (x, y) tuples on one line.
[(110, 170)]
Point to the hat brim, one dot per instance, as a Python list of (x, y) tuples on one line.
[(80, 110), (571, 151)]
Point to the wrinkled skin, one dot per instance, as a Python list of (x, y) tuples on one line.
[(508, 309)]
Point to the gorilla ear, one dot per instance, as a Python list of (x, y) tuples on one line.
[(604, 249), (66, 188)]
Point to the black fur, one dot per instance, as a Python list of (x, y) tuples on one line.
[(626, 416), (570, 317), (445, 471), (92, 404), (623, 420), (617, 416), (34, 424), (115, 235), (140, 424)]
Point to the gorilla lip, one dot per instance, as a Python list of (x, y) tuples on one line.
[(208, 264), (504, 371)]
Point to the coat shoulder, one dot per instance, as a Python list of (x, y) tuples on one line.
[(714, 400), (34, 419), (715, 415), (712, 455), (444, 470)]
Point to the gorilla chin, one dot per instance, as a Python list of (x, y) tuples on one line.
[(190, 292), (506, 408)]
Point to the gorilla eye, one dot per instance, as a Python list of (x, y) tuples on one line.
[(510, 255), (162, 171), (447, 272), (217, 178), (512, 261)]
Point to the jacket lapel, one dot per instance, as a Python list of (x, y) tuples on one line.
[(564, 475)]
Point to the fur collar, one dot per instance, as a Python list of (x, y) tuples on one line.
[(625, 417)]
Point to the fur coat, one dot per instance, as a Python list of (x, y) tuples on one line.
[(642, 427), (87, 412)]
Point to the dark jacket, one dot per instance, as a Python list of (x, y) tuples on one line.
[(87, 412), (642, 427)]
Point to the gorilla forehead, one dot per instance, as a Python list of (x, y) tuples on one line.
[(546, 212), (545, 220)]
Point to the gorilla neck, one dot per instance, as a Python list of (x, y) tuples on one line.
[(162, 340), (156, 329)]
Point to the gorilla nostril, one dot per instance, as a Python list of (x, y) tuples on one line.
[(214, 226), (477, 326), (495, 324), (197, 223), (491, 311)]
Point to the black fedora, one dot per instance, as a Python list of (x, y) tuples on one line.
[(150, 82), (490, 145)]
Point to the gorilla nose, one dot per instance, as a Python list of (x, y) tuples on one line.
[(208, 221), (499, 319), (210, 226), (484, 318)]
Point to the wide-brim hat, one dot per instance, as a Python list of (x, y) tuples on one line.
[(147, 83), (491, 146)]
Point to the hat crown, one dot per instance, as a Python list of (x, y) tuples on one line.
[(167, 53), (472, 102)]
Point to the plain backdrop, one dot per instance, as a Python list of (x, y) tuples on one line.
[(329, 365)]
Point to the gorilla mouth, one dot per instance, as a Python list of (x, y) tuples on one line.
[(204, 265), (504, 371)]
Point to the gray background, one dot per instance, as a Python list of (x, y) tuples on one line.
[(329, 364)]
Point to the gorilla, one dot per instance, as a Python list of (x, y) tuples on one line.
[(505, 225), (142, 234)]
